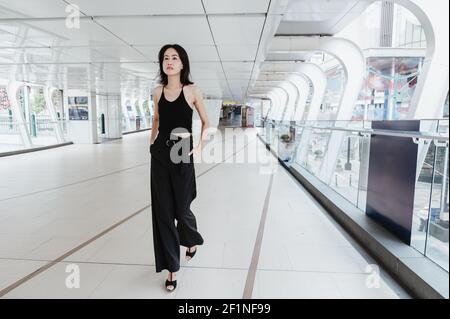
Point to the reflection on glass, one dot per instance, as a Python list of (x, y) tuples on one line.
[(41, 124), (437, 240), (335, 87), (388, 88), (287, 143), (78, 108), (346, 172), (317, 148), (10, 139), (421, 202), (308, 143), (364, 155), (57, 99)]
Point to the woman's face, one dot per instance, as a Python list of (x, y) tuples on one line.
[(171, 62)]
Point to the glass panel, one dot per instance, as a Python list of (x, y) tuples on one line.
[(437, 239), (409, 31), (335, 85), (346, 173), (416, 36), (130, 116), (42, 126), (364, 155), (421, 201), (139, 120), (124, 123), (10, 138), (57, 100), (423, 39), (147, 115), (445, 111), (288, 140), (317, 146), (388, 88), (302, 151)]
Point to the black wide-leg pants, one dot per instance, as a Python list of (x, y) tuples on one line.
[(173, 188)]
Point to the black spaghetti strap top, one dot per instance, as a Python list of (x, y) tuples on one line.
[(174, 116)]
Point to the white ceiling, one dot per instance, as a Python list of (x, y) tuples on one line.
[(115, 48), (328, 17)]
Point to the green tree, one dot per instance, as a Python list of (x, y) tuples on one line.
[(39, 102)]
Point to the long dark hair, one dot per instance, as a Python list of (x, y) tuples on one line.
[(185, 71)]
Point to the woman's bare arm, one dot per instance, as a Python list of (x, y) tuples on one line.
[(155, 125), (200, 106)]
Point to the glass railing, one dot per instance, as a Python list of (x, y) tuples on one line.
[(431, 210), (337, 153), (136, 123), (10, 136), (41, 132)]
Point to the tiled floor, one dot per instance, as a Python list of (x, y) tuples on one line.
[(52, 202)]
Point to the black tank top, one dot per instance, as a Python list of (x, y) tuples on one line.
[(175, 116)]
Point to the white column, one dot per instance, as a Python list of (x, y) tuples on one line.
[(314, 74), (93, 124), (353, 63), (125, 112), (345, 51), (279, 99), (291, 88), (280, 88), (304, 88), (295, 91), (114, 117), (270, 96)]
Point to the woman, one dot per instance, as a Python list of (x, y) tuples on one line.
[(173, 185)]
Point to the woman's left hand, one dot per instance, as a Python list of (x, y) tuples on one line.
[(196, 150)]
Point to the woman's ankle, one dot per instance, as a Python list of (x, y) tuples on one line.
[(172, 275)]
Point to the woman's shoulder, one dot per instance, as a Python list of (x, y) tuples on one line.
[(193, 89), (157, 90)]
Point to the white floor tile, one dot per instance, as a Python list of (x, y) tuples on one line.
[(134, 282), (13, 270), (294, 285), (52, 282), (364, 286), (204, 283)]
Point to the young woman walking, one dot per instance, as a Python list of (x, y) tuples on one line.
[(173, 184)]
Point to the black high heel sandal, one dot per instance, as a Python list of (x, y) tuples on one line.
[(172, 283), (191, 254)]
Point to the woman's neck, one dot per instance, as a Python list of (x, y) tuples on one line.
[(173, 82)]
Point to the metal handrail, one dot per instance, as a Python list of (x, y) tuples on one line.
[(414, 135)]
